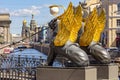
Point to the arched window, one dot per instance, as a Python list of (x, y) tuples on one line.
[(118, 8)]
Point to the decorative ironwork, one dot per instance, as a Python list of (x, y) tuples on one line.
[(19, 68), (17, 74), (21, 62)]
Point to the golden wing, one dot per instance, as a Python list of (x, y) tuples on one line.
[(68, 11), (69, 25), (76, 24), (89, 29), (100, 27), (63, 33)]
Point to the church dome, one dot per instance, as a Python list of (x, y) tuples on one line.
[(24, 21)]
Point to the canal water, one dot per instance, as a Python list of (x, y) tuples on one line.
[(30, 53)]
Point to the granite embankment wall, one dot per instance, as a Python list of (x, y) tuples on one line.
[(44, 48)]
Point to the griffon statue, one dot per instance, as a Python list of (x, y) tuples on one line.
[(77, 34)]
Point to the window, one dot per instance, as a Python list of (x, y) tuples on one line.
[(118, 22), (118, 8), (118, 40)]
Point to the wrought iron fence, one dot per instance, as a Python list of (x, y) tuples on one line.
[(21, 62), (17, 74), (23, 67), (19, 68)]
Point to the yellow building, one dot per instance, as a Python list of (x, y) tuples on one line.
[(112, 28), (112, 8)]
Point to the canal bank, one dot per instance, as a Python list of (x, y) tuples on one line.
[(44, 48)]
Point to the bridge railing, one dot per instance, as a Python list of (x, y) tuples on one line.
[(17, 74), (21, 62), (19, 68)]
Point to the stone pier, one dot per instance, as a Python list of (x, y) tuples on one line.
[(76, 73), (107, 72)]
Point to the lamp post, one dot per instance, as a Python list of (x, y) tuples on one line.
[(54, 9)]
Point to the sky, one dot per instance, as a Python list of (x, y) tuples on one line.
[(23, 9)]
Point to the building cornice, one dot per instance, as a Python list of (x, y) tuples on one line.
[(114, 1), (118, 16), (5, 23)]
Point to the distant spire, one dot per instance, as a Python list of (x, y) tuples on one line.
[(32, 16)]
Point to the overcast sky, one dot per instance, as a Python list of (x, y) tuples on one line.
[(22, 9)]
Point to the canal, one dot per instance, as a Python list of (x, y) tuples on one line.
[(31, 55)]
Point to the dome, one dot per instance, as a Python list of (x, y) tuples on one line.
[(24, 21)]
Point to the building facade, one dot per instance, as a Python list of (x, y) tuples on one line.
[(111, 33), (33, 30), (5, 36), (112, 29), (30, 33), (25, 31), (16, 37), (46, 34)]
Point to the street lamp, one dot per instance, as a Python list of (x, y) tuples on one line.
[(54, 9)]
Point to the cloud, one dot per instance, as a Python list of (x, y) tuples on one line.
[(4, 10), (26, 11), (46, 5)]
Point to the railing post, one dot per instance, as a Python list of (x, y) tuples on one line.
[(18, 60)]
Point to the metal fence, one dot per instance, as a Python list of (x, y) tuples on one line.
[(19, 68), (17, 74), (20, 61), (23, 67)]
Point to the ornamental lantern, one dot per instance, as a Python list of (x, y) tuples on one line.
[(54, 10)]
